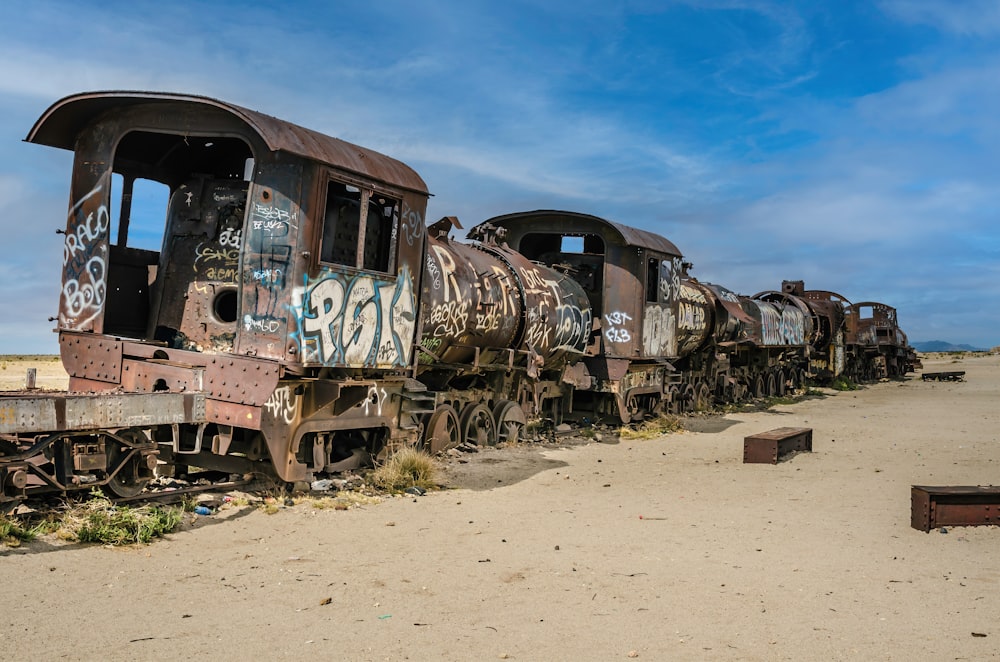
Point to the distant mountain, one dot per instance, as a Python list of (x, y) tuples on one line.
[(942, 346)]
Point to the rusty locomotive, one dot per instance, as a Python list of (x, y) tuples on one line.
[(289, 311)]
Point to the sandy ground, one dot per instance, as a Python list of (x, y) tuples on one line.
[(49, 373), (667, 549)]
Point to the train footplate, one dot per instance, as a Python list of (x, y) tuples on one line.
[(769, 447), (956, 505), (59, 412)]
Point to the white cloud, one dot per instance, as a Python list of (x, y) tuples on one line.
[(968, 17)]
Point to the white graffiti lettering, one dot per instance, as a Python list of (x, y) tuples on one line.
[(614, 331), (447, 262), (87, 291), (84, 264), (206, 253), (282, 404), (411, 224), (434, 273), (230, 237), (270, 213), (449, 319), (360, 322), (261, 324), (784, 327), (659, 338), (691, 316), (489, 320), (267, 277), (373, 403)]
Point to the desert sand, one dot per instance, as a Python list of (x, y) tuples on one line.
[(663, 549)]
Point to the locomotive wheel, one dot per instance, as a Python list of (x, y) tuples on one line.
[(478, 426), (131, 478), (771, 386), (758, 387), (780, 384), (510, 421), (686, 401), (441, 431), (702, 397)]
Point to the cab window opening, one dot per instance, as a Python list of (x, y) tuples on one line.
[(349, 242)]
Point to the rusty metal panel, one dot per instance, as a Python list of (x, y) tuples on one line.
[(731, 320), (197, 304), (91, 357), (151, 375), (82, 411), (959, 505), (241, 380), (769, 447), (228, 413)]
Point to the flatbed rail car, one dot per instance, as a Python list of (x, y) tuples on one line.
[(65, 441)]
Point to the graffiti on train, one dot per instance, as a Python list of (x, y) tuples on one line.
[(358, 321), (85, 259), (781, 327)]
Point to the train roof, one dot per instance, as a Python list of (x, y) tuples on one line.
[(629, 236), (60, 125)]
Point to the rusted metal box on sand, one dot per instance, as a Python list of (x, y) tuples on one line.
[(955, 505), (769, 447)]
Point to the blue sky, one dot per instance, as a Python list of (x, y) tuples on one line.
[(853, 145)]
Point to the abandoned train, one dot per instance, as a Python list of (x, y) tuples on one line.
[(291, 311)]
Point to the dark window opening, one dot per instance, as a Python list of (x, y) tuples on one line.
[(652, 280), (349, 242)]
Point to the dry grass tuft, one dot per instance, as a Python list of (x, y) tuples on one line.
[(656, 427), (405, 468)]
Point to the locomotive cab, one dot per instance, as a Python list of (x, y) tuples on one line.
[(632, 281), (213, 249)]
